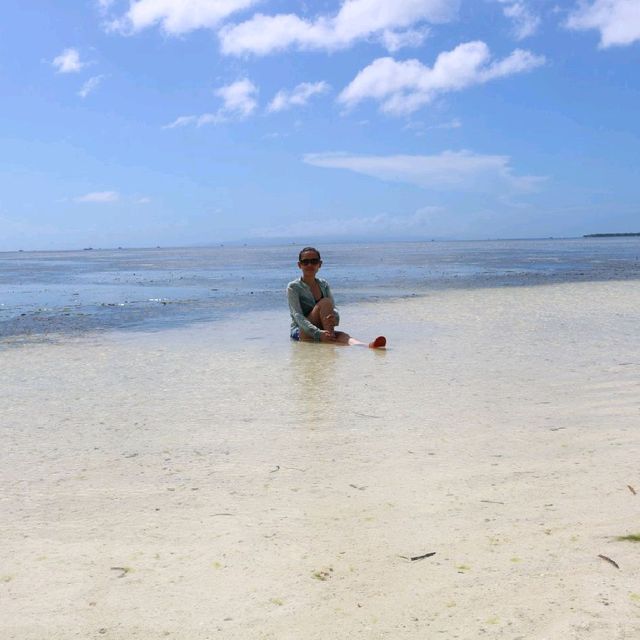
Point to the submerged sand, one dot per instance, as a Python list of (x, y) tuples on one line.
[(221, 482)]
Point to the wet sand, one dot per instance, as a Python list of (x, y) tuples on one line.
[(219, 481)]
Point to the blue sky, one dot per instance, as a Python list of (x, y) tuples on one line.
[(181, 122)]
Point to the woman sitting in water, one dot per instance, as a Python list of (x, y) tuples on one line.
[(313, 313)]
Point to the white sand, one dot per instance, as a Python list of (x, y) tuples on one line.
[(254, 488)]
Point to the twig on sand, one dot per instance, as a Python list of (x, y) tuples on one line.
[(631, 489), (422, 557), (492, 501), (609, 560), (124, 571)]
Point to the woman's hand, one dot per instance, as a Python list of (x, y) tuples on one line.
[(325, 336)]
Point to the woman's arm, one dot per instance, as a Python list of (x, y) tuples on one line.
[(299, 318)]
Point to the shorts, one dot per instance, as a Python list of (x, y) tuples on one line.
[(295, 333)]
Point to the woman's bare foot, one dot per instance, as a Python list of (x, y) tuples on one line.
[(378, 343)]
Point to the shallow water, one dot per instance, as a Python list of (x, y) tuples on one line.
[(72, 292), (258, 487)]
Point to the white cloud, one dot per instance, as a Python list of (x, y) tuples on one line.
[(181, 121), (89, 86), (404, 87), (421, 128), (99, 196), (297, 97), (239, 98), (143, 200), (451, 124), (68, 61), (422, 221), (392, 20), (239, 102), (396, 40), (525, 22), (447, 170), (176, 16), (617, 20)]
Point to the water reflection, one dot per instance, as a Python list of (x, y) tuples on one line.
[(314, 381)]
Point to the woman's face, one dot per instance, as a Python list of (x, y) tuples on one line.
[(310, 263)]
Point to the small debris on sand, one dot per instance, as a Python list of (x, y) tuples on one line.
[(609, 560), (420, 557)]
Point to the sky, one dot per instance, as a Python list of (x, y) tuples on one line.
[(194, 122)]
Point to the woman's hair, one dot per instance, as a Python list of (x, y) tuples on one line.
[(308, 249)]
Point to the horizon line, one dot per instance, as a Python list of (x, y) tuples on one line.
[(283, 241)]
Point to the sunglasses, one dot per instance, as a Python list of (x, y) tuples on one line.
[(307, 261)]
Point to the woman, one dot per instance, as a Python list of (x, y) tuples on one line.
[(313, 313)]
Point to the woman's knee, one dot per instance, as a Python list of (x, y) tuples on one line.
[(325, 306)]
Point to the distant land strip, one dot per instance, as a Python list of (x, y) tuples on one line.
[(610, 235)]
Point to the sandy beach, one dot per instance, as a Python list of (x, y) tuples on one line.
[(219, 481)]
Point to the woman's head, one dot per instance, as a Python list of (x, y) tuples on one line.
[(309, 261), (310, 251)]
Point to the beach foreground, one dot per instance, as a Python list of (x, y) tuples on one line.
[(219, 481)]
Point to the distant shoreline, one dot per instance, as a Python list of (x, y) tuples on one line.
[(235, 244), (611, 235)]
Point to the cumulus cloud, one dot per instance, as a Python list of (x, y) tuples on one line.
[(447, 170), (404, 87), (392, 21), (239, 98), (99, 196), (617, 20), (396, 40), (239, 102), (297, 97), (89, 86), (525, 22), (176, 17), (68, 61)]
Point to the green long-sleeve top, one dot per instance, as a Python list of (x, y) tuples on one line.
[(301, 303)]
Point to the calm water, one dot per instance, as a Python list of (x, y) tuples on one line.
[(44, 293)]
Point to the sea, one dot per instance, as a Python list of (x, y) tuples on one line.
[(47, 294)]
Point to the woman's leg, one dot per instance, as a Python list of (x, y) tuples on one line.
[(340, 337), (322, 316)]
